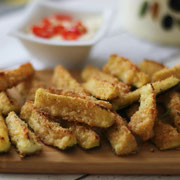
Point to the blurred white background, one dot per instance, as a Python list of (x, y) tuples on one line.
[(116, 41)]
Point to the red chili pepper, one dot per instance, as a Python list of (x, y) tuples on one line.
[(70, 35), (82, 29), (48, 29), (41, 32), (46, 22), (63, 17), (58, 29)]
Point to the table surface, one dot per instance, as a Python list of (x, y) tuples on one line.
[(117, 41)]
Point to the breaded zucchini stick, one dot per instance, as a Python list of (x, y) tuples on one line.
[(25, 140), (126, 71), (62, 79), (103, 104), (86, 137), (51, 133), (101, 89), (150, 67), (173, 105), (166, 136), (91, 72), (131, 110), (122, 140), (4, 138), (126, 100), (74, 108), (167, 72), (7, 104), (28, 89), (142, 122), (131, 97), (11, 78)]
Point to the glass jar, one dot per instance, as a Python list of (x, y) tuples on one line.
[(154, 20)]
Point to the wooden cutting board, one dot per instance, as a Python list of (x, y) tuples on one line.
[(100, 160)]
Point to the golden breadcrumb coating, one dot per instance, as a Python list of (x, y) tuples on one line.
[(4, 138), (172, 103), (104, 104), (131, 97), (62, 79), (126, 71), (101, 89), (167, 72), (166, 136), (101, 103), (86, 137), (74, 108), (51, 133), (127, 99), (122, 140), (25, 140), (130, 111), (28, 89), (11, 78), (93, 72), (142, 122), (7, 103), (163, 85), (150, 67)]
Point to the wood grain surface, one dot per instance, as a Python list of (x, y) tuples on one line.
[(96, 161)]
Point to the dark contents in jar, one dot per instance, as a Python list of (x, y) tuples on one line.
[(167, 22), (175, 5)]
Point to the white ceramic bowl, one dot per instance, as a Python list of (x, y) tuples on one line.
[(53, 52)]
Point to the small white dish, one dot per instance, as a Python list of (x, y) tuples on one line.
[(53, 52)]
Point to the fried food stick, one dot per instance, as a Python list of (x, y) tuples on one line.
[(62, 79), (102, 85), (150, 67), (74, 108), (121, 138), (4, 138), (7, 104), (101, 89), (172, 103), (131, 97), (28, 89), (11, 78), (167, 72), (142, 122), (51, 133), (131, 110), (25, 140), (166, 136), (126, 71), (86, 137)]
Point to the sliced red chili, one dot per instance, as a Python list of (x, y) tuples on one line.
[(63, 17), (41, 32), (70, 35), (46, 22), (48, 28), (58, 29), (82, 29)]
